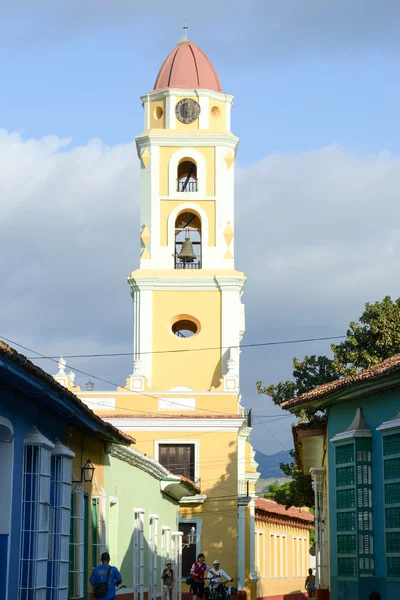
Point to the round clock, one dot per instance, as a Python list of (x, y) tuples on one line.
[(187, 110)]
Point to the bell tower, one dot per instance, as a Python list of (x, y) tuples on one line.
[(186, 293)]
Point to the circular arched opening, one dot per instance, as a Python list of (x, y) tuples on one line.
[(158, 113), (185, 326), (187, 175), (215, 112)]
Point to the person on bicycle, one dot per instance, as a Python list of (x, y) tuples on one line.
[(198, 571), (216, 579)]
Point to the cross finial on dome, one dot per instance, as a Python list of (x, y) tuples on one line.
[(185, 29)]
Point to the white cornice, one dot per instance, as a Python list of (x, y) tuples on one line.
[(159, 94), (349, 435), (177, 424), (185, 140), (196, 499), (392, 424), (136, 459), (222, 283), (84, 394)]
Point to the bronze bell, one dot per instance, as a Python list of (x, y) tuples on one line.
[(186, 254)]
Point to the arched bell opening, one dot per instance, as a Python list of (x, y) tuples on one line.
[(188, 241), (187, 175)]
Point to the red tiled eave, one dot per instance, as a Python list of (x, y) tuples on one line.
[(269, 507), (384, 369), (107, 429)]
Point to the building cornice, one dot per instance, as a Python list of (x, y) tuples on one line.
[(180, 424), (222, 283), (168, 92), (186, 140)]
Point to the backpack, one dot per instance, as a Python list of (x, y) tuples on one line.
[(100, 590)]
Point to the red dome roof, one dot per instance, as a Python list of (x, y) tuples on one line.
[(187, 67)]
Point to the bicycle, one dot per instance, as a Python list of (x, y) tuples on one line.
[(213, 592)]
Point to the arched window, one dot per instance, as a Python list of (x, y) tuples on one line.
[(188, 241), (187, 175)]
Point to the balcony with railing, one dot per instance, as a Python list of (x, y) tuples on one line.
[(186, 185)]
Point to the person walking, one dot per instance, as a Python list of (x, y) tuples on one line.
[(310, 584), (198, 571), (104, 579), (168, 578)]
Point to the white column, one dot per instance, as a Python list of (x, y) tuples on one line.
[(177, 562), (170, 119), (253, 574), (204, 118), (241, 545), (321, 525)]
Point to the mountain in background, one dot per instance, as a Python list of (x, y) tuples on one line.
[(268, 465)]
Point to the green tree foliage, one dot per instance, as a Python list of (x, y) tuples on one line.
[(296, 492), (375, 337), (369, 341)]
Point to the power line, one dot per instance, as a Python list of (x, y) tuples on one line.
[(255, 345)]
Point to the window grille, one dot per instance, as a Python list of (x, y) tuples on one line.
[(391, 474), (35, 516), (300, 556), (76, 546), (152, 562), (354, 491), (138, 554), (59, 534), (98, 529)]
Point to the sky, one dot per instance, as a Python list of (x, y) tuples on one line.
[(317, 231)]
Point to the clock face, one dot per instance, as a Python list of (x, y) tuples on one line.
[(187, 110)]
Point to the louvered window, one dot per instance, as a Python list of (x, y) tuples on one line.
[(391, 471), (178, 458)]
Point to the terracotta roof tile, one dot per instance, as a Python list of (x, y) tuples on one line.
[(269, 506), (384, 369), (109, 430)]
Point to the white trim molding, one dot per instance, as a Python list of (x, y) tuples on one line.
[(180, 424), (231, 282), (186, 140)]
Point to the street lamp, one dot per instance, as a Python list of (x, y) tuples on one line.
[(87, 471), (191, 537)]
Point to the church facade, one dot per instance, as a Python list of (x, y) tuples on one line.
[(182, 400)]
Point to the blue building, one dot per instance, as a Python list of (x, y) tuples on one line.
[(39, 419), (354, 460)]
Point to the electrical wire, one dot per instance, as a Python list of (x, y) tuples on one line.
[(241, 346)]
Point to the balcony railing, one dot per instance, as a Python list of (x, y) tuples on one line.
[(179, 264), (186, 186)]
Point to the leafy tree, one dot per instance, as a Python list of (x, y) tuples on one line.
[(296, 492), (375, 337)]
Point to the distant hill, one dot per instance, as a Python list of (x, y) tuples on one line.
[(268, 465)]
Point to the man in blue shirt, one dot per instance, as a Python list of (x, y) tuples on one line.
[(100, 575)]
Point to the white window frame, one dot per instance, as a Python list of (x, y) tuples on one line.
[(101, 545), (152, 562), (113, 501), (33, 565), (60, 522), (77, 543), (6, 486), (177, 562), (260, 542), (165, 544), (186, 442), (300, 556), (278, 571), (138, 553)]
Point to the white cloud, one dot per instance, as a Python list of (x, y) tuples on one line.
[(317, 235)]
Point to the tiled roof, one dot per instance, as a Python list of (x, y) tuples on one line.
[(108, 430), (384, 369), (133, 415), (269, 506)]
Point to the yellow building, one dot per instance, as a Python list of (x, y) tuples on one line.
[(182, 400), (282, 550)]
